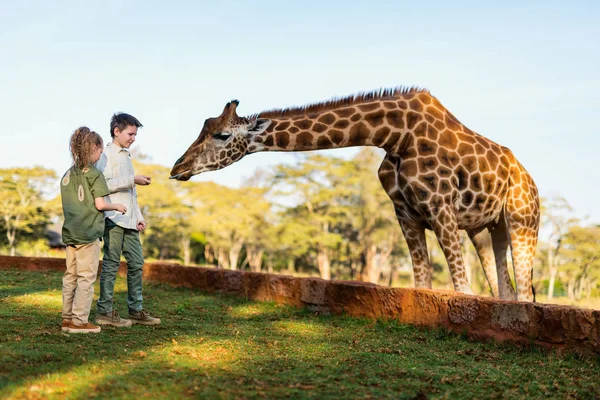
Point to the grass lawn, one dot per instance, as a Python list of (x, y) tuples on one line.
[(216, 346)]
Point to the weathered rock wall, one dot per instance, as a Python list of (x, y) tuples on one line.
[(481, 318)]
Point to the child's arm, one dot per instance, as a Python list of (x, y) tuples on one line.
[(103, 205)]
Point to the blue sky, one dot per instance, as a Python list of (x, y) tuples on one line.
[(524, 74)]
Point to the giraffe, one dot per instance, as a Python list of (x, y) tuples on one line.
[(439, 175)]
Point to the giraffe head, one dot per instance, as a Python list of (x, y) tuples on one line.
[(222, 141)]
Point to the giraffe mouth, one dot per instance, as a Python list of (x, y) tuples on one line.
[(182, 176)]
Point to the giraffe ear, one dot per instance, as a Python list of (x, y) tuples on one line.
[(259, 126)]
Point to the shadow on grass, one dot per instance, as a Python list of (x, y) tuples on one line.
[(227, 347)]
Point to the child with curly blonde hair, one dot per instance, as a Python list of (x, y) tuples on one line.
[(82, 190)]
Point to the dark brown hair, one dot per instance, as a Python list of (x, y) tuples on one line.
[(122, 121), (82, 144)]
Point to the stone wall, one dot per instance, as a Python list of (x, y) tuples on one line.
[(480, 318)]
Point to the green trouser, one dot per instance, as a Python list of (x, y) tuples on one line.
[(119, 240)]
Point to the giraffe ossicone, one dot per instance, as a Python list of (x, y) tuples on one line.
[(439, 174)]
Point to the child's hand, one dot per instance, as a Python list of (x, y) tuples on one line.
[(120, 208), (142, 180)]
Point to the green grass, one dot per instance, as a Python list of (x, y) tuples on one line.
[(215, 346)]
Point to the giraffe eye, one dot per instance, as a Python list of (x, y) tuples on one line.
[(222, 136)]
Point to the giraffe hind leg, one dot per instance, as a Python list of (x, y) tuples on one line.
[(500, 242), (482, 240)]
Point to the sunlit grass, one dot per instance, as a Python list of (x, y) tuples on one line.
[(216, 346)]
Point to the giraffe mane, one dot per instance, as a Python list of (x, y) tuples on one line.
[(380, 94)]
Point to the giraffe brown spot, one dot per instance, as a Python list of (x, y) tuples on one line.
[(303, 124), (463, 137), (323, 141), (412, 118), (420, 129), (416, 105), (426, 164), (429, 118), (479, 201), (389, 105), (425, 98), (483, 142), (259, 139), (403, 104), (492, 159), (408, 168), (381, 135), (282, 139), (336, 136), (392, 141), (503, 172), (476, 182), (444, 171), (318, 127), (445, 186), (281, 126), (375, 118), (327, 119), (294, 129), (484, 166), (426, 147), (470, 163), (432, 133), (448, 140), (439, 125), (368, 107), (430, 181), (435, 113), (304, 140), (269, 141), (395, 119), (465, 149), (451, 122), (462, 177), (448, 158), (341, 124), (356, 117), (359, 134), (345, 112), (489, 181)]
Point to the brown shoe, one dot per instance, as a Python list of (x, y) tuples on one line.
[(66, 324), (85, 328)]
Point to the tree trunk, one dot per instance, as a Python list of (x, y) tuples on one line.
[(185, 246), (291, 265), (255, 257), (552, 270), (234, 253), (370, 272), (324, 264), (571, 289), (222, 258)]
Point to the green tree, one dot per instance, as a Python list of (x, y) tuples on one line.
[(23, 207), (581, 252)]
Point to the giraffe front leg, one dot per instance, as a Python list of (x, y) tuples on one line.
[(446, 230), (482, 240), (417, 247)]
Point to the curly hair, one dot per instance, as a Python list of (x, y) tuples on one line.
[(82, 144)]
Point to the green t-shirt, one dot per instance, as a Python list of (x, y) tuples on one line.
[(78, 189)]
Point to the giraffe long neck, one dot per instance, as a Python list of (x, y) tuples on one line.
[(384, 123)]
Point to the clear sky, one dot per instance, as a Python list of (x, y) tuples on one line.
[(524, 74)]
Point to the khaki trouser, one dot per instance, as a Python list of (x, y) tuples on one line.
[(78, 281)]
